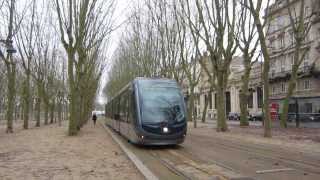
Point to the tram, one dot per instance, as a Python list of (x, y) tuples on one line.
[(149, 111)]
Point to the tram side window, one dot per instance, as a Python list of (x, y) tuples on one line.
[(133, 109), (123, 108), (108, 110), (111, 110), (129, 107), (116, 104)]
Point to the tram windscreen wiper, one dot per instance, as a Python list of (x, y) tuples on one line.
[(175, 113)]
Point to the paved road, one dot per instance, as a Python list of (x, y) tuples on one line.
[(204, 156), (260, 161)]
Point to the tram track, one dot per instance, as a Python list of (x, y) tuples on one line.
[(172, 168), (188, 168), (182, 166), (188, 161), (267, 154)]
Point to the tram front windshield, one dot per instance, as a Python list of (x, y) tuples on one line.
[(161, 102)]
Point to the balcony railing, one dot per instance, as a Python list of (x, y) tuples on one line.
[(287, 74)]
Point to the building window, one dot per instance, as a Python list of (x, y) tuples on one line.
[(307, 108), (292, 59), (210, 100), (306, 60), (307, 11), (205, 99), (272, 64), (215, 100), (260, 97), (274, 89), (281, 21), (306, 38), (306, 84), (292, 38), (271, 46), (282, 41), (283, 87), (292, 108), (282, 63), (250, 100)]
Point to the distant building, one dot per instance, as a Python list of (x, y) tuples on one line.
[(255, 99), (280, 41)]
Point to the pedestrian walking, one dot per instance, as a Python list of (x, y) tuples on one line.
[(94, 119)]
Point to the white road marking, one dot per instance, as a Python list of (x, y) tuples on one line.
[(273, 170)]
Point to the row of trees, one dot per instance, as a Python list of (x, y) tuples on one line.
[(33, 79), (180, 39), (52, 57)]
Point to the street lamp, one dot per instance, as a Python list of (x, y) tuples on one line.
[(9, 46)]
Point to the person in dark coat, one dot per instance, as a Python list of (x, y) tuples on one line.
[(94, 119)]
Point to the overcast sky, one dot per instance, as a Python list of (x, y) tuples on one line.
[(123, 8)]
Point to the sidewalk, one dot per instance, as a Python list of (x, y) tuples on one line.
[(48, 153)]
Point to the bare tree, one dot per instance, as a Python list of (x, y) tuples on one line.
[(215, 24), (256, 10), (189, 58), (167, 34), (83, 27), (25, 41), (300, 24), (10, 64), (248, 42)]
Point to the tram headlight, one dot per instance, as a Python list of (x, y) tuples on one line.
[(165, 130)]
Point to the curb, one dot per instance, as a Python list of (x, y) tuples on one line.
[(144, 170)]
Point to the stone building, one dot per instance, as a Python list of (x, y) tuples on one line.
[(255, 100), (280, 39)]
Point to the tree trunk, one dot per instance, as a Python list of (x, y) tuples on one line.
[(26, 101), (221, 109), (291, 87), (266, 66), (204, 112), (52, 105), (38, 111), (285, 104), (73, 130), (297, 113), (46, 111), (38, 104), (59, 112), (11, 75), (191, 108), (244, 94)]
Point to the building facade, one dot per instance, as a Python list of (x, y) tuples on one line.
[(280, 39), (232, 94)]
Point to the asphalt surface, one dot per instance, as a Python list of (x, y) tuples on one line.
[(203, 156), (256, 160)]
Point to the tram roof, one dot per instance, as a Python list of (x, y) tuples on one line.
[(141, 79)]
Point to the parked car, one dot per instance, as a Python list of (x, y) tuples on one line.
[(233, 116), (256, 116), (304, 117)]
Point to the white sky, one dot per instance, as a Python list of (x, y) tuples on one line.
[(123, 8)]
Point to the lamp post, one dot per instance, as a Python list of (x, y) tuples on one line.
[(10, 49)]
